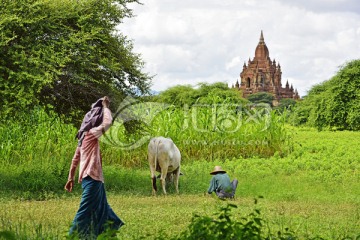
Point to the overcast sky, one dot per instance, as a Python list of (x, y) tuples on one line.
[(192, 41)]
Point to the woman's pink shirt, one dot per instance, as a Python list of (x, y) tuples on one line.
[(88, 155)]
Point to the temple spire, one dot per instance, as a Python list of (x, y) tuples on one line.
[(237, 85), (261, 37)]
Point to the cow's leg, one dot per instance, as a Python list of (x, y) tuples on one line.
[(154, 188), (153, 176), (176, 179), (163, 179)]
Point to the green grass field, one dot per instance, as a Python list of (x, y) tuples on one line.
[(314, 191), (148, 216)]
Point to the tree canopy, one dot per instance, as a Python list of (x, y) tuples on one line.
[(285, 104), (203, 93), (66, 54), (261, 97), (334, 103)]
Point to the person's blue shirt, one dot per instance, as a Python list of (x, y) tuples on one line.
[(220, 181)]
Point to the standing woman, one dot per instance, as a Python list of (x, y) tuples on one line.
[(94, 214)]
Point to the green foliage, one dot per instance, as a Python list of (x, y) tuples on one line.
[(207, 131), (313, 190), (7, 235), (37, 148), (107, 234), (261, 97), (333, 104), (285, 104), (20, 231), (203, 94), (35, 152), (65, 54), (178, 95), (224, 225)]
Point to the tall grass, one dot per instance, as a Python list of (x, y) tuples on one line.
[(35, 152), (202, 132), (37, 148)]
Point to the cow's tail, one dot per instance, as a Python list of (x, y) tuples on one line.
[(156, 153)]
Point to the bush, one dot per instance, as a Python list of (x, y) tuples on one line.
[(224, 225), (261, 97), (333, 104)]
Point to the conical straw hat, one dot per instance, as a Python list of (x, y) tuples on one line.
[(217, 169)]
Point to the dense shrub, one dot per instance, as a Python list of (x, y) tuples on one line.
[(224, 224), (203, 93), (261, 97), (333, 104)]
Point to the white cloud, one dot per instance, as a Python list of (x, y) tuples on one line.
[(234, 62), (326, 5), (186, 42)]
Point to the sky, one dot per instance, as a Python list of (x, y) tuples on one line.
[(193, 41)]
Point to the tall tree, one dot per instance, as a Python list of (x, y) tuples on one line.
[(65, 54), (334, 103), (261, 97), (203, 93)]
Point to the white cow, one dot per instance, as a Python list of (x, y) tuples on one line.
[(164, 157)]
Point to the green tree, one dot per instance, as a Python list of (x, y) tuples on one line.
[(261, 97), (203, 93), (285, 104), (218, 93), (66, 54), (178, 95), (334, 103)]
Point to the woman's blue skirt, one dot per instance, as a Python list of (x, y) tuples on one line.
[(94, 215)]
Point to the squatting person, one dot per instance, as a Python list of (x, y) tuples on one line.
[(221, 185)]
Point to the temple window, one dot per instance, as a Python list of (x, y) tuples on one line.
[(248, 82)]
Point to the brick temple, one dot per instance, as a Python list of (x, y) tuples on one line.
[(263, 75)]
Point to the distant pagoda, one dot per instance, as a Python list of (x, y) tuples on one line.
[(263, 75)]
